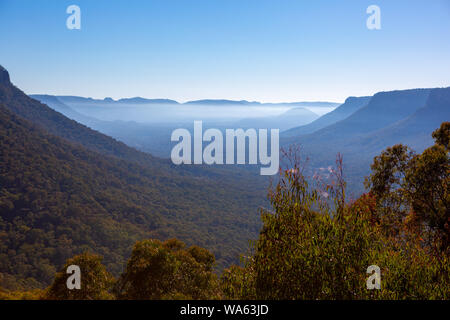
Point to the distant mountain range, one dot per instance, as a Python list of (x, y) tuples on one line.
[(317, 104), (149, 129), (360, 128), (212, 102), (135, 100)]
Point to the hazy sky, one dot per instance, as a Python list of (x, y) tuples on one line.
[(261, 50)]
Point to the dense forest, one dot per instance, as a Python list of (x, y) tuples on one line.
[(313, 244), (70, 195), (66, 188)]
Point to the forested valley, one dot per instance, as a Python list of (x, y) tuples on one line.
[(139, 227)]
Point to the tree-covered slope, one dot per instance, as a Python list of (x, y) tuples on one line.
[(56, 123), (58, 198)]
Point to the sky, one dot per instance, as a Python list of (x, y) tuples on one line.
[(256, 50)]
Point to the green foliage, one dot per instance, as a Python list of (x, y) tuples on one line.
[(237, 282), (305, 251), (167, 270), (35, 294), (65, 189), (309, 248), (416, 184), (155, 270), (58, 199), (96, 282), (442, 135)]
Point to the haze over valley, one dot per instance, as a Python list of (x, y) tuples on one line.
[(230, 150)]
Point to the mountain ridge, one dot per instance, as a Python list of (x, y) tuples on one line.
[(350, 105), (141, 100), (400, 116)]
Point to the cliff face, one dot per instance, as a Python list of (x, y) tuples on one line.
[(415, 130), (407, 117), (4, 76), (384, 109), (351, 105)]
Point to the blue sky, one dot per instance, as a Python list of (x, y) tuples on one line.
[(276, 50)]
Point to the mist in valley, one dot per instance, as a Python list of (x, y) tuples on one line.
[(147, 124)]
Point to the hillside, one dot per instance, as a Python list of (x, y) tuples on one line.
[(383, 109), (57, 105), (413, 130), (406, 116), (150, 138), (59, 198), (350, 105), (56, 123)]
